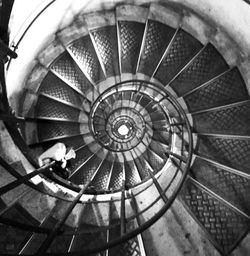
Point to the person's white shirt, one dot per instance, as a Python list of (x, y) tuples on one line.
[(58, 152)]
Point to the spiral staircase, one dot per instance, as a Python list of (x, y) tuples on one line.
[(156, 113)]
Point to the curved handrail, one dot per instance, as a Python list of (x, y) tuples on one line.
[(30, 21)]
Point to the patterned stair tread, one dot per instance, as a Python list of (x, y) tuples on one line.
[(207, 65), (48, 108), (82, 155), (231, 120), (55, 130), (157, 38), (66, 67), (59, 90), (224, 226), (117, 176), (84, 51), (86, 171), (131, 174), (226, 89), (229, 151), (101, 180), (183, 48), (105, 39), (228, 185), (130, 34)]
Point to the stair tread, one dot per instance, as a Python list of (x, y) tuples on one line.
[(82, 155), (67, 103), (230, 186), (231, 120), (208, 64), (182, 49), (231, 152), (53, 131), (66, 67), (101, 180), (46, 107), (225, 89), (105, 39), (117, 176), (84, 52), (131, 174), (130, 35), (223, 225), (157, 38), (59, 89), (86, 171)]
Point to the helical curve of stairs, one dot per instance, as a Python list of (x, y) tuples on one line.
[(151, 112)]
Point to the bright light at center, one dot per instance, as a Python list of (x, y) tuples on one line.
[(123, 130)]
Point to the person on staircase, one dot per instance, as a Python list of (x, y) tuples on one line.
[(61, 155)]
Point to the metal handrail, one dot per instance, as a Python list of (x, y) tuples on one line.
[(37, 13)]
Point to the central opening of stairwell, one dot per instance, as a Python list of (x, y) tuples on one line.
[(123, 130)]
